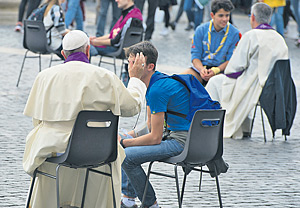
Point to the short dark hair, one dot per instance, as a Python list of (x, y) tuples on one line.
[(216, 5), (146, 48)]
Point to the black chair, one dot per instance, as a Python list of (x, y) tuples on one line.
[(132, 36), (278, 99), (203, 146), (89, 147), (35, 40)]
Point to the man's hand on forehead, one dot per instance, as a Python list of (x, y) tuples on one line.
[(138, 66)]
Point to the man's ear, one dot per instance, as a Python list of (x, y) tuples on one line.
[(87, 51), (63, 54), (150, 67), (212, 15)]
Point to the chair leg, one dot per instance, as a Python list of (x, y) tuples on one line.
[(146, 185), (40, 63), (31, 189), (99, 64), (253, 120), (121, 68), (183, 186), (219, 192), (263, 123), (25, 56), (218, 188), (115, 68), (200, 181), (112, 187), (50, 60), (57, 186), (177, 186), (85, 185)]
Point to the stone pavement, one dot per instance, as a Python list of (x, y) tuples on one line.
[(260, 174)]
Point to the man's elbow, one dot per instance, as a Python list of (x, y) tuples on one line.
[(157, 140)]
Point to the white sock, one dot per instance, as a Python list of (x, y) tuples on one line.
[(129, 202), (154, 205)]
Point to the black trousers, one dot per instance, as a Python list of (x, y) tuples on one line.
[(152, 5)]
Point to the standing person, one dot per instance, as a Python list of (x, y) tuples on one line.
[(32, 4), (239, 89), (131, 17), (295, 4), (213, 43), (277, 17), (57, 96), (101, 21), (165, 5), (152, 5), (74, 12), (54, 19)]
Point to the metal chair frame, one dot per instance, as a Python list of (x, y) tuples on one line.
[(190, 159), (35, 40), (132, 36), (75, 155)]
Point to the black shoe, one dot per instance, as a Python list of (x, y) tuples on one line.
[(172, 25), (189, 27), (246, 134)]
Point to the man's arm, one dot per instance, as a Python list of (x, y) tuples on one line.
[(99, 41), (204, 73), (155, 135)]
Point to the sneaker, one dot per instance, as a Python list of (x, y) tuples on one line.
[(172, 25), (124, 206), (297, 43), (165, 31), (18, 27), (190, 26)]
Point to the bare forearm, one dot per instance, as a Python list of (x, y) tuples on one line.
[(147, 139)]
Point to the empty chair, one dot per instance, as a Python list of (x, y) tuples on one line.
[(93, 143), (132, 36), (35, 41), (204, 146)]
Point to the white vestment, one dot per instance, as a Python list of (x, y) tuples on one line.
[(57, 95), (255, 55)]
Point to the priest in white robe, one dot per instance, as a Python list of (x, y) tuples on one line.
[(57, 95), (239, 89)]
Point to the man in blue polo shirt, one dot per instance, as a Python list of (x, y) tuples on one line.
[(213, 43)]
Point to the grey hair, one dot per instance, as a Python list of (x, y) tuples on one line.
[(262, 12), (80, 49)]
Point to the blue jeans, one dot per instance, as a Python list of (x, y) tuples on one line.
[(95, 51), (101, 21), (295, 4), (277, 18), (193, 12), (74, 12), (187, 7), (198, 16), (133, 175)]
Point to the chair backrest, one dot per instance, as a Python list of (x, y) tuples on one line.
[(35, 38), (205, 138), (132, 36), (91, 144), (279, 105)]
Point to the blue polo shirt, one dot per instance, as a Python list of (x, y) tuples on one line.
[(172, 95), (200, 40)]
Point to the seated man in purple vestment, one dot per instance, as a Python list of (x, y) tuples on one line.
[(131, 17)]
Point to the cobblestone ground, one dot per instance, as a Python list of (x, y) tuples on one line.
[(261, 174)]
